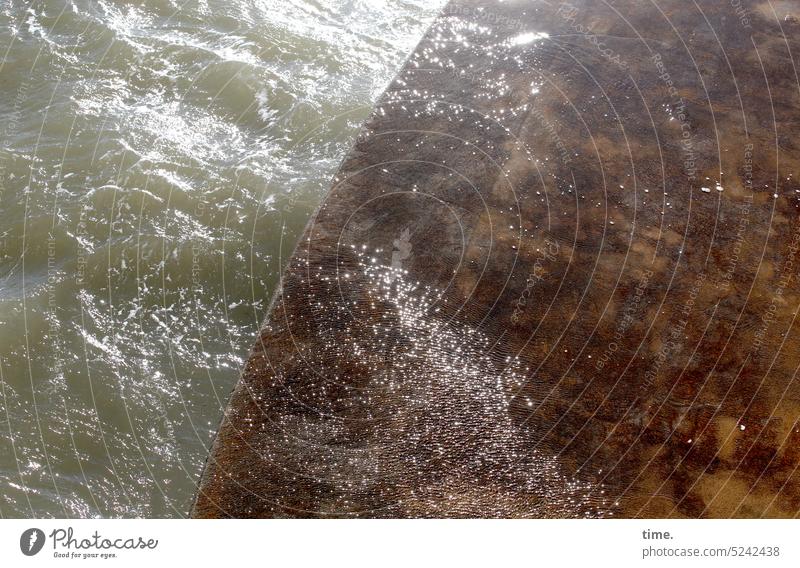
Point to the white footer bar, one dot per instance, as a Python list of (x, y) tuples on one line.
[(391, 543)]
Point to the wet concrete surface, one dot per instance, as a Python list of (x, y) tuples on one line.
[(555, 277)]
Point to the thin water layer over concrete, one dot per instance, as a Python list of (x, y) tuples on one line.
[(555, 277)]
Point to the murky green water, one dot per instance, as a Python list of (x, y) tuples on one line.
[(158, 161)]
